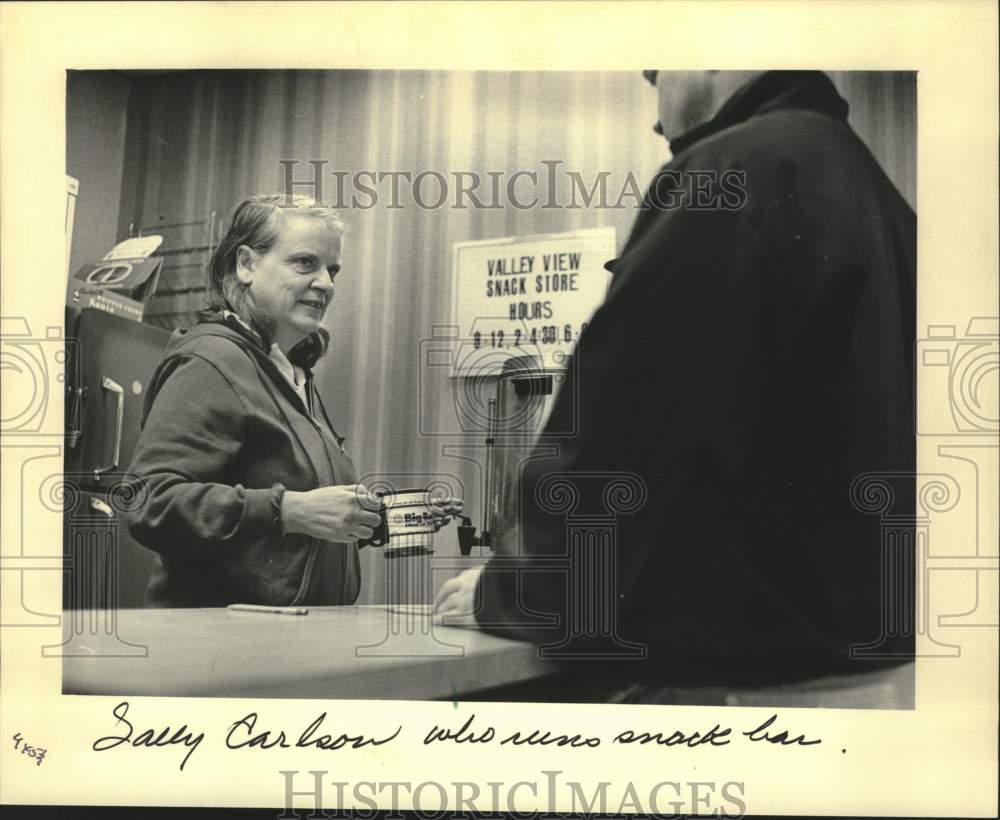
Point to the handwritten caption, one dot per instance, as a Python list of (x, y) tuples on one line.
[(248, 733)]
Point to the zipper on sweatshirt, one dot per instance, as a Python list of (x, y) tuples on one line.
[(310, 395)]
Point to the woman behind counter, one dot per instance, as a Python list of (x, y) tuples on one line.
[(251, 496)]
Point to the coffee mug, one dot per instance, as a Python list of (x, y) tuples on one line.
[(408, 523)]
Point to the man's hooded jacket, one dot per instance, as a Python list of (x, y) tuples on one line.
[(747, 393)]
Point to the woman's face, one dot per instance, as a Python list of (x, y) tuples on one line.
[(292, 284)]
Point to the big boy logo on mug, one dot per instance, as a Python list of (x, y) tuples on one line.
[(408, 521)]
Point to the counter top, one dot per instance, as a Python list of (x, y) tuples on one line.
[(369, 652)]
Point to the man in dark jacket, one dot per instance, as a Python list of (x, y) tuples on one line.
[(753, 361)]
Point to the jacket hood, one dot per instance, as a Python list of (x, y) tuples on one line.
[(225, 327), (228, 326), (771, 91), (220, 322)]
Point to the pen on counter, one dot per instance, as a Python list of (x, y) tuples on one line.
[(274, 610)]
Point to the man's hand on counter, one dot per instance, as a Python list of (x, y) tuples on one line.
[(456, 600)]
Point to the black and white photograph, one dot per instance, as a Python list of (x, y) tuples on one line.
[(556, 410), (506, 411)]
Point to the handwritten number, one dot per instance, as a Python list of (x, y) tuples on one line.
[(36, 753)]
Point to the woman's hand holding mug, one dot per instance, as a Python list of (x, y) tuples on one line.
[(347, 512)]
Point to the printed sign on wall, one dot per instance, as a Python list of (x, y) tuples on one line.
[(527, 296)]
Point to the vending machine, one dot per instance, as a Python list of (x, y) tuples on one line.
[(110, 362)]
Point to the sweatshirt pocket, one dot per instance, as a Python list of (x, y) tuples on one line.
[(273, 572), (307, 572)]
